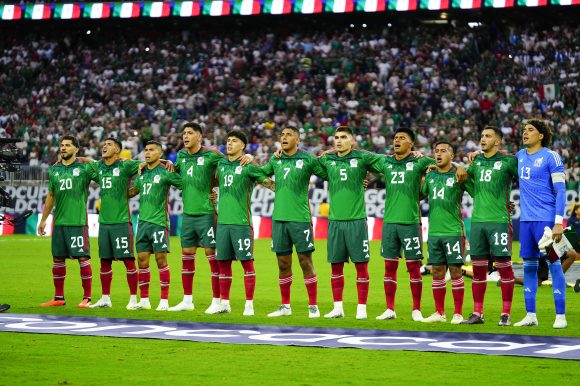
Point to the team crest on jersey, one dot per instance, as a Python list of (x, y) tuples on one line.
[(497, 165), (409, 165), (353, 163), (201, 161), (449, 182), (238, 170), (299, 164), (156, 179), (538, 162), (116, 172), (76, 172)]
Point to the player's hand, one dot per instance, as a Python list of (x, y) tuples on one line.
[(471, 156), (213, 196), (366, 183), (512, 206), (431, 168), (325, 152), (246, 159), (41, 227), (417, 154), (84, 160), (461, 175), (278, 153), (169, 166), (141, 166), (557, 231)]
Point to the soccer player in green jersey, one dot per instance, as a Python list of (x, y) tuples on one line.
[(490, 182), (291, 220), (347, 230), (446, 236), (153, 227), (115, 230), (235, 237), (68, 184), (196, 164)]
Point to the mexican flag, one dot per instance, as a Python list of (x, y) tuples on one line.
[(216, 8), (371, 5), (37, 12), (499, 3), (67, 11), (549, 91), (566, 2), (186, 8), (532, 3), (466, 4), (308, 6), (339, 6), (11, 12), (126, 10), (97, 11), (157, 9), (246, 7), (434, 4), (277, 7), (403, 5)]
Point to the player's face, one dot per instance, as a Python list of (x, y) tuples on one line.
[(191, 138), (531, 136), (443, 155), (489, 140), (402, 143), (109, 149), (152, 153), (343, 141), (68, 149), (234, 146), (289, 139)]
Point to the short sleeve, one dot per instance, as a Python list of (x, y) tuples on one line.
[(131, 167), (373, 161), (175, 180), (318, 169), (51, 181), (268, 169), (255, 173), (424, 163), (425, 188)]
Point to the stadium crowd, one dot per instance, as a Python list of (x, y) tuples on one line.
[(440, 82)]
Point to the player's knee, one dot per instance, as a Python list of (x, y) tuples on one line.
[(439, 271), (455, 271), (285, 263)]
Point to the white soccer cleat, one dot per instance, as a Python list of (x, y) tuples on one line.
[(361, 311), (546, 240), (224, 308), (214, 307), (416, 315), (163, 305), (283, 310), (388, 314), (143, 304), (457, 319), (104, 302), (529, 321), (436, 317), (183, 306), (335, 313), (313, 312), (560, 321), (249, 308)]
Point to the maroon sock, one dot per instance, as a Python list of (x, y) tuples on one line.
[(249, 278), (337, 281), (285, 284), (164, 281), (479, 284), (132, 276), (391, 267), (187, 273), (458, 289), (144, 279), (416, 281), (312, 289), (439, 290), (215, 276), (106, 276), (86, 277), (225, 279), (362, 282), (58, 276), (506, 273)]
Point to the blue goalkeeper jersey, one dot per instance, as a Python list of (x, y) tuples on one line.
[(542, 185)]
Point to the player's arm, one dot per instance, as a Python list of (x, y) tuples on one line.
[(556, 167), (175, 180), (48, 205), (468, 186), (318, 169), (424, 191), (256, 174), (373, 161)]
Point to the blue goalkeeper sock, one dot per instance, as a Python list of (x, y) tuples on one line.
[(530, 284), (558, 286)]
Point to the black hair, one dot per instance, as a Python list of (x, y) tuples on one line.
[(293, 128), (495, 129), (194, 126), (116, 141), (152, 142), (239, 135), (407, 131), (71, 138), (344, 129), (543, 128), (444, 142)]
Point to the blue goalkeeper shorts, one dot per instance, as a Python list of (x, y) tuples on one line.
[(530, 234)]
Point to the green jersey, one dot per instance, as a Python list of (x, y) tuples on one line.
[(445, 195), (292, 175), (114, 181), (236, 185), (153, 186), (345, 183), (70, 185), (197, 172), (489, 183), (403, 186)]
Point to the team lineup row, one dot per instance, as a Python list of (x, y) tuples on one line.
[(408, 176)]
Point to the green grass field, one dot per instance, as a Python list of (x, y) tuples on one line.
[(26, 281)]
